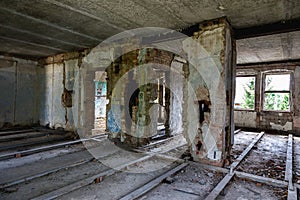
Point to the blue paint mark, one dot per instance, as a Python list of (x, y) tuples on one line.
[(114, 120)]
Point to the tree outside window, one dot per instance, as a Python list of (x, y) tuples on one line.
[(277, 92), (245, 93)]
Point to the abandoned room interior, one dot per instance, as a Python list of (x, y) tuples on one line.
[(150, 99)]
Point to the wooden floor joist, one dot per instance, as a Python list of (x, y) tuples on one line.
[(245, 152), (218, 189), (289, 159), (44, 148), (45, 173), (152, 184), (292, 190), (87, 181), (244, 175), (4, 133), (261, 179)]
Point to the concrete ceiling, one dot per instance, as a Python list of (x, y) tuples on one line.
[(39, 28), (277, 47)]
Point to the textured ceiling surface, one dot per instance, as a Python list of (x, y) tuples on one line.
[(277, 47), (39, 28)]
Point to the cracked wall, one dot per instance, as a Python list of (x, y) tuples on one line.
[(287, 121), (211, 78)]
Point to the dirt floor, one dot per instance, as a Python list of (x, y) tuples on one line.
[(267, 158), (244, 189)]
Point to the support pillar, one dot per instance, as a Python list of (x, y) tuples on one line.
[(210, 76)]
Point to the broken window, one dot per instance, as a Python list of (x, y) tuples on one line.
[(277, 92), (245, 93)]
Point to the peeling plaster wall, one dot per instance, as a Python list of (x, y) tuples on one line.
[(54, 79), (271, 120), (18, 86), (210, 76), (176, 83)]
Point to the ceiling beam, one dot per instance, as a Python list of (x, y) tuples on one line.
[(50, 24), (84, 13), (31, 43), (273, 63), (42, 36), (268, 29)]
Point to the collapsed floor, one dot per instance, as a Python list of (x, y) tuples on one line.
[(40, 164)]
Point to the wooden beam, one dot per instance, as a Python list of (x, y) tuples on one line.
[(221, 185), (45, 173), (218, 189), (44, 148), (87, 181), (261, 179), (244, 175), (152, 184), (292, 190), (69, 188), (289, 159), (245, 152), (4, 133), (268, 29)]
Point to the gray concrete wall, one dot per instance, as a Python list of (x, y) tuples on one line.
[(53, 78), (18, 86)]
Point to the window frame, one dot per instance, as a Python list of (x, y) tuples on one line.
[(277, 91), (255, 86)]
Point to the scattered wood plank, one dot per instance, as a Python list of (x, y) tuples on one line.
[(150, 185)]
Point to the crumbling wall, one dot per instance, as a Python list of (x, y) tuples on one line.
[(57, 90), (18, 85), (270, 120), (176, 113), (124, 77), (209, 74), (207, 89)]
